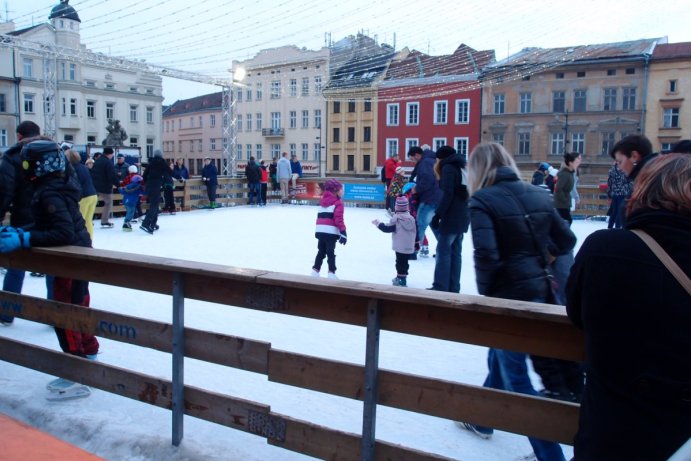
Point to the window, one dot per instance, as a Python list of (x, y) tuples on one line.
[(91, 109), (461, 145), (440, 112), (608, 141), (133, 112), (366, 162), (462, 111), (199, 145), (259, 151), (524, 143), (351, 163), (238, 149), (391, 147), (317, 151), (557, 145), (611, 72), (212, 144), (337, 107), (670, 117), (248, 122), (412, 113), (238, 98), (248, 150), (275, 150), (558, 101), (317, 118), (276, 89), (305, 86), (580, 74), (3, 103), (293, 87), (275, 120), (368, 105), (149, 147), (293, 117), (499, 102), (578, 143), (91, 140), (367, 134), (260, 93), (526, 103), (392, 114), (201, 121), (351, 134), (610, 101), (258, 122), (63, 106), (150, 115), (238, 122), (498, 138), (110, 86), (673, 86), (411, 142), (559, 75), (305, 119), (248, 94), (212, 120), (28, 102), (579, 100), (666, 146), (73, 106), (134, 141), (351, 105), (336, 164), (628, 99), (336, 135), (438, 142), (630, 70), (292, 149), (317, 85), (191, 122), (90, 83), (73, 72), (3, 137), (28, 67), (305, 151)]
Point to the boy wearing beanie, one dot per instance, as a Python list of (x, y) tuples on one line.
[(403, 232)]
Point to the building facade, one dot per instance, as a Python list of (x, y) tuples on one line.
[(668, 115), (434, 100), (540, 103), (75, 97), (279, 106)]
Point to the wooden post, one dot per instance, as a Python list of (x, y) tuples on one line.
[(369, 411), (178, 357)]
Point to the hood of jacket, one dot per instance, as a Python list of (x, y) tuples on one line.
[(328, 198)]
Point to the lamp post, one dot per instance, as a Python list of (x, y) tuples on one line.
[(566, 130), (319, 152)]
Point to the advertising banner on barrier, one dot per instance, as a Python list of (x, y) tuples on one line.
[(352, 192)]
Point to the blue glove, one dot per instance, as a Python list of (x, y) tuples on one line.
[(344, 238), (12, 239), (436, 219)]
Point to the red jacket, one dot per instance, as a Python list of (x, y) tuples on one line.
[(390, 167)]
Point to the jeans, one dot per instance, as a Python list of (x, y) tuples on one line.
[(447, 270), (616, 211), (508, 371), (254, 193), (425, 213), (561, 267), (13, 282)]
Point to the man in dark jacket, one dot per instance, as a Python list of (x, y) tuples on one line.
[(105, 178), (427, 191), (15, 197), (253, 176), (210, 179), (121, 168), (155, 174)]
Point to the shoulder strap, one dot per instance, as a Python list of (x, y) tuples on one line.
[(665, 259)]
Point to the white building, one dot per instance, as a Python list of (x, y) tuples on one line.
[(279, 105), (85, 92)]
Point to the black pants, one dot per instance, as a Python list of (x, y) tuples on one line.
[(402, 264), (211, 192), (262, 196), (565, 213), (326, 247), (152, 213), (168, 199), (563, 378)]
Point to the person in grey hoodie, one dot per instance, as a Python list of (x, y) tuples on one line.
[(283, 174)]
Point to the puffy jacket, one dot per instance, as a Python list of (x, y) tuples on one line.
[(330, 215), (508, 252), (252, 172), (104, 176), (453, 206), (426, 183), (404, 232), (156, 174), (210, 173), (86, 183), (55, 207)]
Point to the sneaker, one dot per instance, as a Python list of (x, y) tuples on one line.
[(315, 273), (106, 225), (127, 227), (399, 282), (147, 229), (474, 429), (332, 275)]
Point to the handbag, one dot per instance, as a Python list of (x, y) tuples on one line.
[(665, 259)]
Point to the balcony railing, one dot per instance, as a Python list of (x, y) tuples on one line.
[(273, 132)]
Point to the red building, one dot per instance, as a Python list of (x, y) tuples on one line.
[(433, 100)]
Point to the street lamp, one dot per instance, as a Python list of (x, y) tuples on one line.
[(566, 130)]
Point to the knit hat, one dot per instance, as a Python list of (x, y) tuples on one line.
[(445, 151), (401, 204), (132, 169), (399, 170), (332, 185)]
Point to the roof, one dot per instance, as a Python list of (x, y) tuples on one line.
[(64, 10), (672, 50), (23, 31), (465, 60), (360, 71), (568, 55), (212, 101)]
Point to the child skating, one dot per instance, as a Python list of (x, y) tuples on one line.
[(403, 232), (330, 227)]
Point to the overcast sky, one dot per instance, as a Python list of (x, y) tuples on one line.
[(204, 36)]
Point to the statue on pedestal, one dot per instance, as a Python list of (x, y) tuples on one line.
[(116, 134)]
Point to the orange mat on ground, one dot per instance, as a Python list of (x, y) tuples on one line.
[(22, 442)]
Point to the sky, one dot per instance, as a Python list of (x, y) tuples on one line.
[(205, 36), (122, 429)]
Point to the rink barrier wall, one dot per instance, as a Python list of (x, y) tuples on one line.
[(521, 326), (191, 195)]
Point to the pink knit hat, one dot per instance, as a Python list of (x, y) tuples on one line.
[(401, 204)]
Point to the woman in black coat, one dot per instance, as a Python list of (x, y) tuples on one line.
[(513, 224), (637, 322)]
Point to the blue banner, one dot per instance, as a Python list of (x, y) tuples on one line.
[(364, 192)]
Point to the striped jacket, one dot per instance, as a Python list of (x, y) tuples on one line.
[(330, 215)]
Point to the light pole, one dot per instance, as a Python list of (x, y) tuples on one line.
[(319, 152), (566, 130)]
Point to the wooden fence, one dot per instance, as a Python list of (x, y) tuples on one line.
[(513, 325)]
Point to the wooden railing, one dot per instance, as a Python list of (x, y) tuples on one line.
[(513, 325)]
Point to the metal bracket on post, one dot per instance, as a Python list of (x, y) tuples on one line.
[(369, 412), (178, 357)]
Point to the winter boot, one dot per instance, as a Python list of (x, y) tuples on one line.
[(332, 275), (424, 251), (315, 272), (399, 281), (127, 227)]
